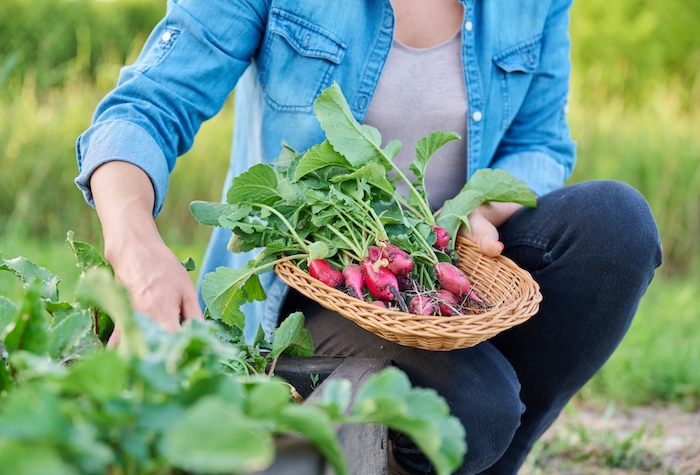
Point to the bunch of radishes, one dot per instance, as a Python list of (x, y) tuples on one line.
[(334, 209), (384, 277)]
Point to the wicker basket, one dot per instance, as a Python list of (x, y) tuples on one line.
[(513, 297)]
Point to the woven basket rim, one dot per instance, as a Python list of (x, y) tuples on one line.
[(433, 332)]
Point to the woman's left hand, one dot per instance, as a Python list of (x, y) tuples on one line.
[(484, 222)]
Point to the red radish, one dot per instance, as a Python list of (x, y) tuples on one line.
[(381, 283), (406, 282), (447, 302), (442, 239), (452, 278), (378, 303), (400, 263), (476, 298), (354, 281), (374, 253), (421, 305), (322, 270)]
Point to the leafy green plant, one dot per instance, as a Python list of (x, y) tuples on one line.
[(314, 381), (196, 401), (334, 201)]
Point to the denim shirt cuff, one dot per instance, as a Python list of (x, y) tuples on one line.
[(540, 171), (120, 140)]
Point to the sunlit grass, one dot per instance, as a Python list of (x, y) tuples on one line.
[(656, 149), (658, 358)]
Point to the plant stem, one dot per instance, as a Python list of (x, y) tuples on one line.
[(296, 237)]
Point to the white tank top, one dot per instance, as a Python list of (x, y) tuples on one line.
[(422, 90)]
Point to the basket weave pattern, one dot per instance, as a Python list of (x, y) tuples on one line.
[(511, 293)]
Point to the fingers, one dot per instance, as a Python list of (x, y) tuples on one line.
[(484, 234), (166, 294), (190, 307)]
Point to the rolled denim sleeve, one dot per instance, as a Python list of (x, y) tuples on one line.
[(537, 147), (182, 77)]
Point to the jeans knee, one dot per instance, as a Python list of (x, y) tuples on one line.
[(497, 428), (616, 219)]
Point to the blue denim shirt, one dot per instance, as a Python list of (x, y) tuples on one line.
[(280, 54)]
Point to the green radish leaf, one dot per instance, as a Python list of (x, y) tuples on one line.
[(28, 366), (209, 213), (256, 185), (225, 290), (315, 426), (317, 157), (97, 288), (189, 264), (425, 149), (6, 381), (335, 398), (28, 329), (28, 271), (238, 244), (266, 398), (501, 185), (73, 335), (392, 149), (8, 309), (291, 193), (318, 250), (104, 325), (33, 413), (259, 335), (484, 186), (29, 458), (387, 398), (213, 436), (285, 159), (453, 447), (374, 174), (359, 144), (454, 212), (87, 256), (292, 338), (102, 377)]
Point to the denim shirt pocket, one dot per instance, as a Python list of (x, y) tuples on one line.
[(163, 45), (515, 66), (297, 61)]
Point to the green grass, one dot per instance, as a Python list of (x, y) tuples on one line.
[(658, 359), (655, 149)]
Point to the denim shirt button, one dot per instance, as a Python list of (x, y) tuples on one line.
[(166, 37), (388, 21), (469, 26), (477, 116)]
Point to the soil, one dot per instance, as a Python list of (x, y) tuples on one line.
[(592, 439)]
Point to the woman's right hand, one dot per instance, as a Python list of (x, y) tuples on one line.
[(157, 282)]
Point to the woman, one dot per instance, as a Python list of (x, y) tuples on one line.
[(495, 72)]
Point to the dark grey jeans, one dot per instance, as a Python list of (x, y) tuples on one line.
[(593, 248)]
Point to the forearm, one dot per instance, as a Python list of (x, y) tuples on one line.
[(124, 200), (157, 282)]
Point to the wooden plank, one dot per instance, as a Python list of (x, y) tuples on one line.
[(364, 445)]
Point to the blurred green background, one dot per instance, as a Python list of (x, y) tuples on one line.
[(634, 111)]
